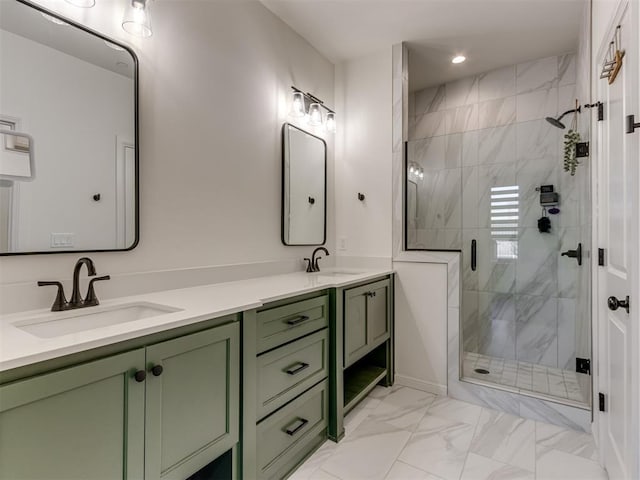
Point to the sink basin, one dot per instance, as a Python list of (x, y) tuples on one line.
[(56, 324)]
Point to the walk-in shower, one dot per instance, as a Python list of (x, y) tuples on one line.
[(484, 176)]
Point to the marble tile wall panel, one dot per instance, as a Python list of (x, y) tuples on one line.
[(461, 119), (537, 104), (461, 92), (429, 100), (494, 274), (428, 125), (567, 69), (470, 197), (499, 83), (470, 148), (493, 113), (537, 329), (540, 74), (537, 263), (497, 145), (489, 176)]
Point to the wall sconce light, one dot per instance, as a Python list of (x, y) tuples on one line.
[(311, 106), (136, 19)]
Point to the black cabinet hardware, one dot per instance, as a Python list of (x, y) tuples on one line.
[(613, 303), (312, 200), (601, 402), (156, 370), (293, 431), (369, 294), (583, 365), (473, 255), (601, 257), (297, 320), (299, 367), (140, 375)]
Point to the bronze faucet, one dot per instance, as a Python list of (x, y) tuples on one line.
[(61, 304)]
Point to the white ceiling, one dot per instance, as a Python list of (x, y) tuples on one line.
[(490, 33)]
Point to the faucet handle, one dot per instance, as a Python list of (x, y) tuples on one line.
[(60, 303), (316, 267), (91, 298), (309, 265)]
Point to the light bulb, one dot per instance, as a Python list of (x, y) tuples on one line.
[(137, 20), (421, 174), (315, 115), (458, 59), (331, 122), (297, 106), (411, 169)]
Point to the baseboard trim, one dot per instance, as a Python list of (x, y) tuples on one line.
[(422, 385)]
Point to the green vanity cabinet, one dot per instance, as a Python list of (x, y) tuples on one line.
[(123, 417), (84, 422), (367, 318), (192, 403)]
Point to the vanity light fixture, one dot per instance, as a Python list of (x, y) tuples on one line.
[(137, 20), (82, 3), (458, 59), (311, 106)]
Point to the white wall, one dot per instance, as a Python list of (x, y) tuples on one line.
[(69, 168), (214, 87), (363, 156)]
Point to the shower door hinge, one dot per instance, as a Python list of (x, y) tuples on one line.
[(582, 149), (583, 365), (601, 405), (601, 257), (600, 106)]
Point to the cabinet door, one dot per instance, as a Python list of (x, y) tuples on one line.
[(192, 405), (366, 319), (85, 422)]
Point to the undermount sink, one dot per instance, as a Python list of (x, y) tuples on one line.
[(56, 324)]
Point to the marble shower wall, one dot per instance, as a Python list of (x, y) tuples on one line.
[(481, 138)]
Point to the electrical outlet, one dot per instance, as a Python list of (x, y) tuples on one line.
[(342, 243), (61, 240)]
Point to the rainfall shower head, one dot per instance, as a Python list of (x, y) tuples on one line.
[(556, 121)]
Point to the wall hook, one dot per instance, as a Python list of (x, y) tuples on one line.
[(96, 197), (361, 196), (312, 200)]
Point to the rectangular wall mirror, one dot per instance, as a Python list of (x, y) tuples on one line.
[(68, 123), (304, 187)]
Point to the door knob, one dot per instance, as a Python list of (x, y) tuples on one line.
[(614, 303)]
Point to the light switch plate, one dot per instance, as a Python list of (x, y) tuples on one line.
[(342, 243)]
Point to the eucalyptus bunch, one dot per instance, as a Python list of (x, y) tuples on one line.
[(571, 139)]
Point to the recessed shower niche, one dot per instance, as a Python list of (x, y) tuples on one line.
[(484, 175)]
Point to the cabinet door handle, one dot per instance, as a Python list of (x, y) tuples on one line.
[(473, 255), (297, 320), (156, 370), (140, 375), (300, 367), (296, 429), (369, 294)]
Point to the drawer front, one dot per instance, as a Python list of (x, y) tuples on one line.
[(282, 324), (287, 371), (284, 437)]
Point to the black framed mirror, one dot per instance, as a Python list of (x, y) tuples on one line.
[(304, 187), (74, 93)]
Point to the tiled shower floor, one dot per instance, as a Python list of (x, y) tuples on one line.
[(529, 378)]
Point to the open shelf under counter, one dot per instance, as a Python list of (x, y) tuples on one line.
[(359, 380)]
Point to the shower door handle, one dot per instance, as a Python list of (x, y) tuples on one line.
[(577, 254), (473, 255)]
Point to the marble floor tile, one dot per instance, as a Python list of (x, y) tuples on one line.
[(566, 440), (554, 464), (403, 407), (454, 440), (506, 438), (402, 471), (480, 468), (353, 460), (439, 446), (451, 409)]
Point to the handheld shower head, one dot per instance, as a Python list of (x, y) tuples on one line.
[(556, 121)]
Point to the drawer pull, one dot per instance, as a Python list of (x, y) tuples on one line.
[(301, 366), (298, 320), (293, 431), (369, 294)]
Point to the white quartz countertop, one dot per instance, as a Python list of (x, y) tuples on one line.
[(18, 347)]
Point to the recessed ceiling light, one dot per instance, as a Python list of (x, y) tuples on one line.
[(458, 59), (53, 19)]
